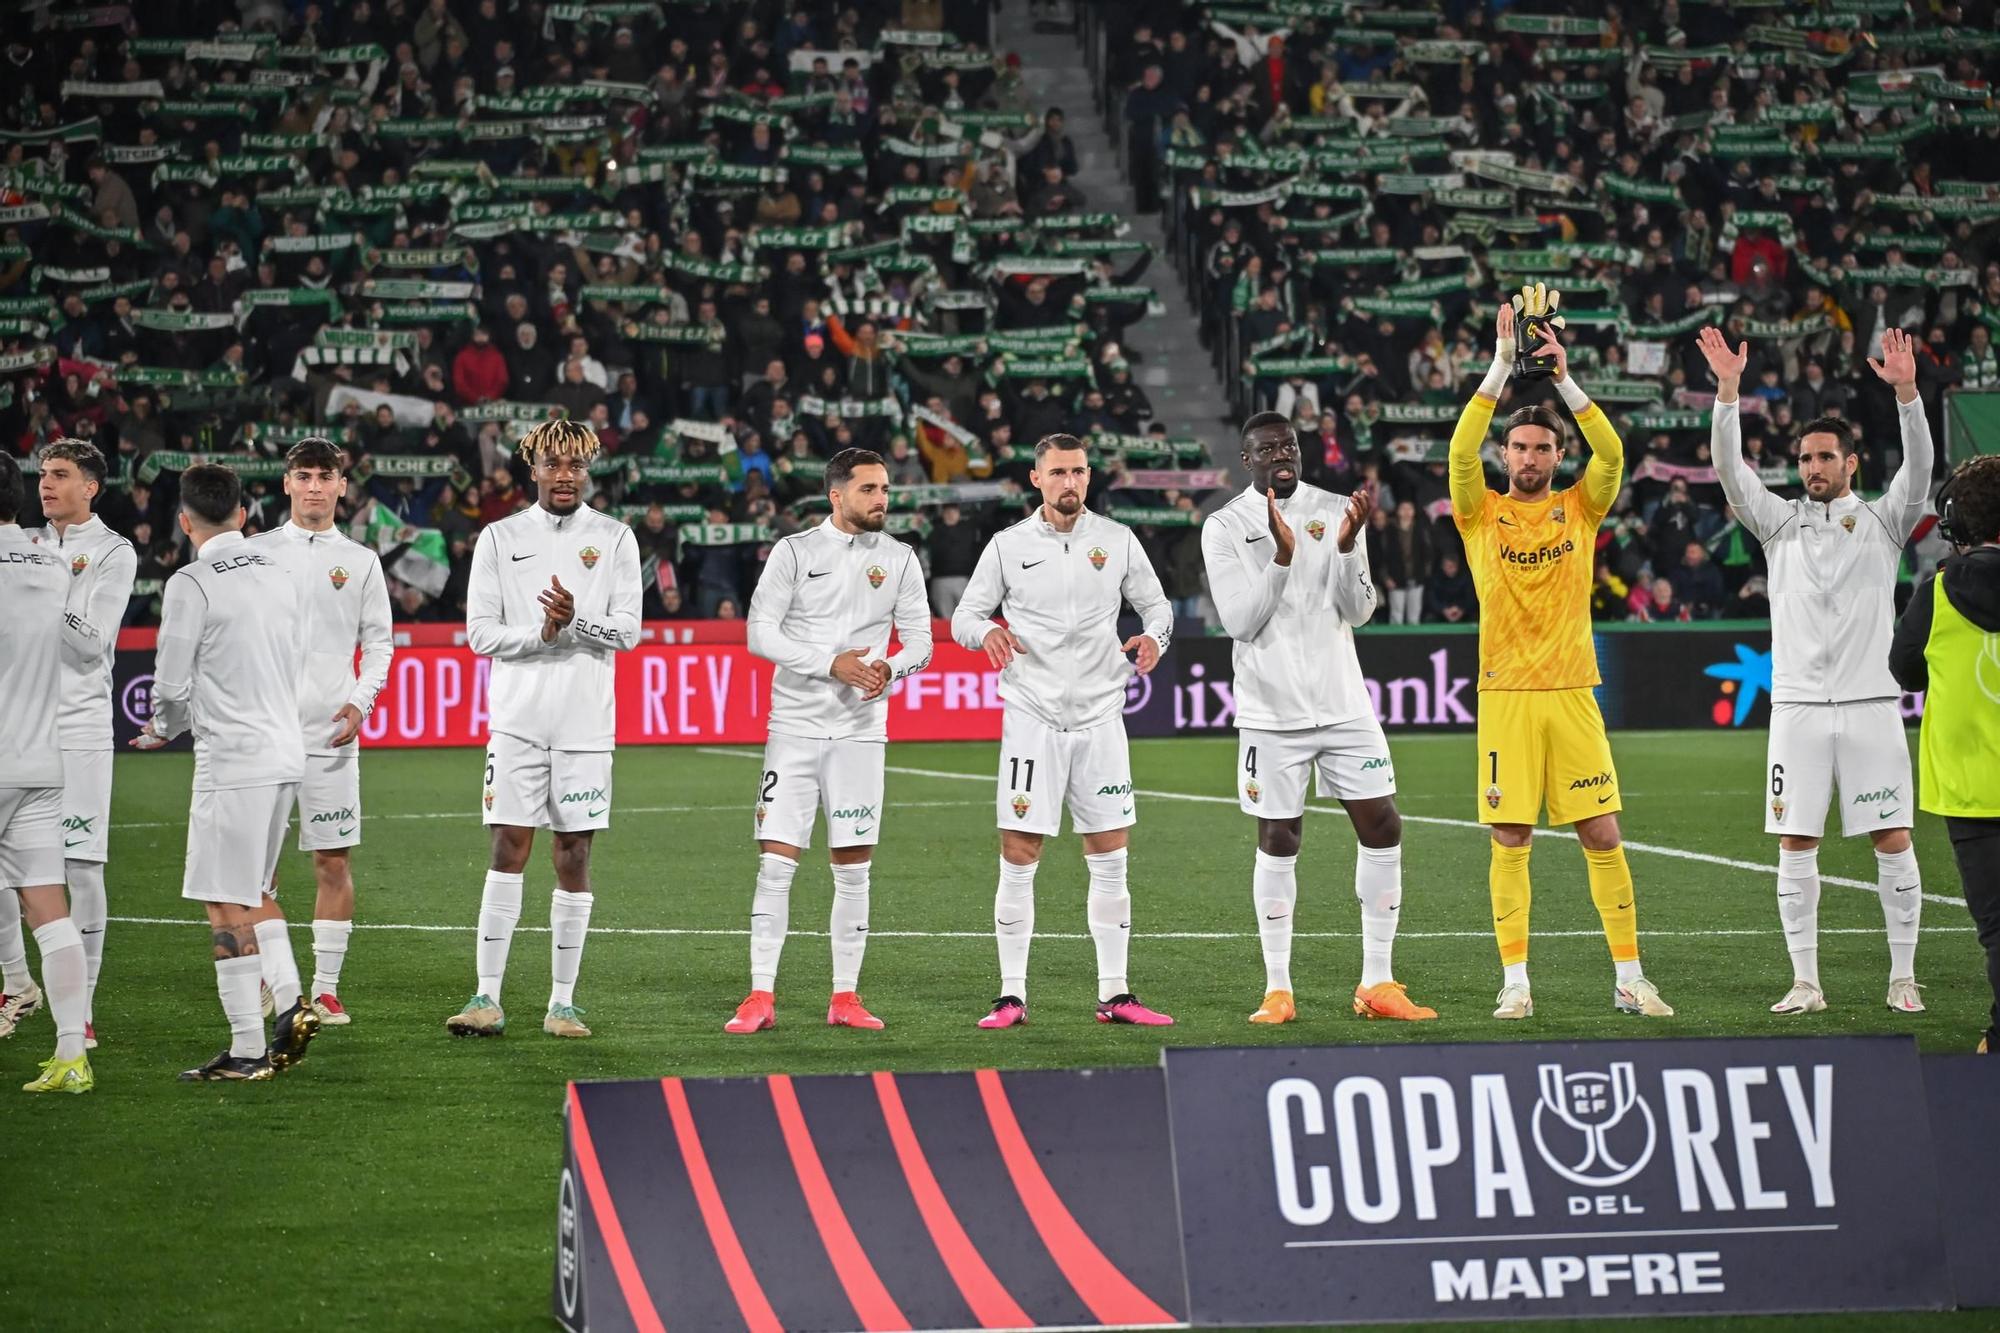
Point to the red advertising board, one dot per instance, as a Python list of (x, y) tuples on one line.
[(677, 694)]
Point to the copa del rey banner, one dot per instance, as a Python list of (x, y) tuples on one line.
[(676, 694)]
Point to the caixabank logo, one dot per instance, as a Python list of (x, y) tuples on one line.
[(1540, 1180)]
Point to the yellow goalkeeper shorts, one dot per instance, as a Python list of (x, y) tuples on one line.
[(1537, 745)]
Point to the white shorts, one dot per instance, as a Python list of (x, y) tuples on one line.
[(31, 851), (1351, 763), (86, 818), (330, 801), (802, 776), (1042, 770), (529, 786), (233, 841), (1859, 748)]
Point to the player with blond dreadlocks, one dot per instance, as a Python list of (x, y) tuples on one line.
[(554, 594)]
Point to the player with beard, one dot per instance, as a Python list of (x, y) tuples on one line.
[(1289, 576), (1060, 576), (1836, 714), (554, 596), (822, 613), (1540, 733)]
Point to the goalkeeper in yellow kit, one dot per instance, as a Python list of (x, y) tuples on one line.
[(1541, 737)]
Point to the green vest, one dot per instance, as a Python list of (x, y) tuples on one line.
[(1960, 744)]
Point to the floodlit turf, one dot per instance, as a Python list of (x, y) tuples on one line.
[(401, 1179)]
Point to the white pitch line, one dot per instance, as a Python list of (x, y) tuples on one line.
[(737, 806), (1655, 848), (987, 935)]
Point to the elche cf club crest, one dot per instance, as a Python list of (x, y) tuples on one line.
[(78, 565), (1593, 1128), (1316, 530), (1098, 556), (589, 555), (1253, 791), (1493, 797), (876, 576), (1021, 804), (337, 576)]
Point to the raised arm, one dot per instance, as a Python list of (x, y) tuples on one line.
[(1354, 593), (1760, 512), (486, 629), (1465, 473), (90, 624), (1902, 505), (768, 605)]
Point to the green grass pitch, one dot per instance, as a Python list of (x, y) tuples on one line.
[(400, 1179)]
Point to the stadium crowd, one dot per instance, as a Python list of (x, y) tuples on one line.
[(736, 238)]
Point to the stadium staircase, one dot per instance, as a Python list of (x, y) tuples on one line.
[(1177, 375)]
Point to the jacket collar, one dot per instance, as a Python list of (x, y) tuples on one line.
[(219, 541)]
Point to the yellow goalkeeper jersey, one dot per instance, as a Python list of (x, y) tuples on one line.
[(1532, 562)]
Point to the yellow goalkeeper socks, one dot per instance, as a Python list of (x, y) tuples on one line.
[(1507, 882), (1611, 890)]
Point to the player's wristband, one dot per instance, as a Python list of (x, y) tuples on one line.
[(1572, 393), (1496, 376)]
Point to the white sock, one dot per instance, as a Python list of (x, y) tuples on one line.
[(14, 975), (1514, 974), (1275, 886), (63, 978), (329, 954), (770, 917), (499, 913), (1901, 887), (280, 968), (236, 982), (1378, 883), (1628, 970), (569, 922), (88, 908), (1109, 908), (1014, 925), (1798, 910), (849, 925)]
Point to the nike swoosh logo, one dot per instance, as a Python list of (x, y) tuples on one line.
[(861, 930), (564, 948), (761, 916), (1026, 565), (1625, 906), (341, 833), (491, 939), (1279, 917), (822, 574), (1906, 888), (860, 829), (1126, 811), (1602, 799), (1498, 919), (592, 814), (98, 931), (1258, 538), (517, 559), (1506, 522), (1888, 814), (74, 842), (1015, 922), (1795, 893)]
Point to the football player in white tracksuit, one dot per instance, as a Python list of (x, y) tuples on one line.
[(822, 613), (1835, 715), (1059, 576), (345, 602), (1288, 571), (33, 588), (101, 568), (228, 670), (553, 598)]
